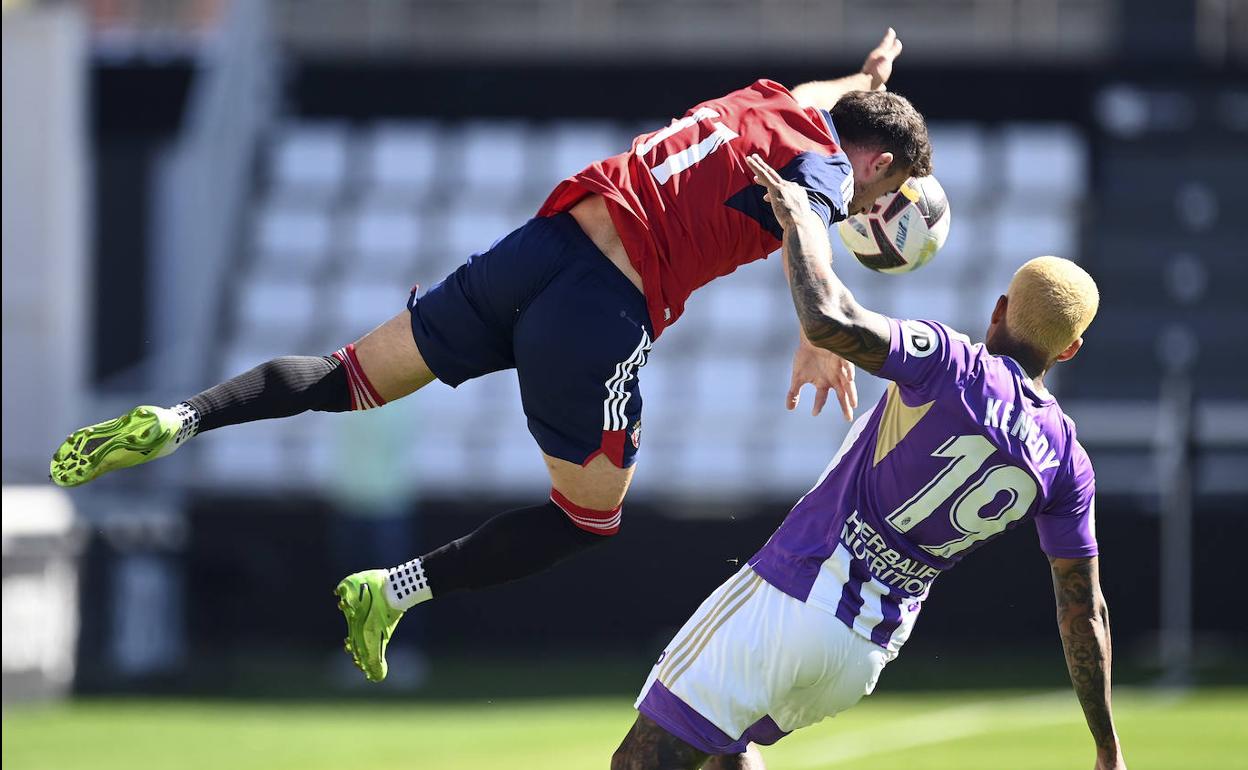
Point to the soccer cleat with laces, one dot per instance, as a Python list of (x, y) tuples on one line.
[(142, 434), (370, 620)]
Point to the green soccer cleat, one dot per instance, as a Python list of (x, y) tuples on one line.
[(370, 620), (142, 434)]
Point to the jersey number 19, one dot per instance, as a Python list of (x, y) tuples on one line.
[(967, 454)]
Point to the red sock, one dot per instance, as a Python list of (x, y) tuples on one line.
[(363, 394)]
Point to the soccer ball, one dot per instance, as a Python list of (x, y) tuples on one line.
[(903, 230)]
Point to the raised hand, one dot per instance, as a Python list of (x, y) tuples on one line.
[(826, 371), (788, 199), (879, 63)]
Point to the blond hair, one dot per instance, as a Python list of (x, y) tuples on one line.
[(1051, 302)]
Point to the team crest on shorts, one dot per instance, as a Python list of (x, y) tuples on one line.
[(635, 435)]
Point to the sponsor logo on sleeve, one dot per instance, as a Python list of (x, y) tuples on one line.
[(918, 339), (847, 190)]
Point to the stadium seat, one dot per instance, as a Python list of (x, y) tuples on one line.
[(1023, 230), (470, 228), (516, 462), (727, 384), (912, 299), (381, 241), (800, 448), (573, 145), (292, 237), (716, 463), (310, 160), (359, 306), (272, 308), (740, 317), (1048, 160), (960, 162), (964, 251), (492, 159), (400, 160)]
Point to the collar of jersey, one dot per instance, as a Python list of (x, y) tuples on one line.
[(1027, 383)]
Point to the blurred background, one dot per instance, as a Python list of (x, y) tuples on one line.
[(194, 186)]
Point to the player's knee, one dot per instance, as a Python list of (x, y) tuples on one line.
[(592, 520)]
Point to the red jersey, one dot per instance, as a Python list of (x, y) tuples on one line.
[(686, 206)]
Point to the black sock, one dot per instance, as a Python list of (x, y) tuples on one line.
[(282, 387), (509, 546)]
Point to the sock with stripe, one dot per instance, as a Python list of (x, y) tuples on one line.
[(282, 387), (512, 545)]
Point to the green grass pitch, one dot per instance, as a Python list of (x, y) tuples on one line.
[(928, 731)]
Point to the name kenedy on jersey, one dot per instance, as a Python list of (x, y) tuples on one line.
[(997, 414)]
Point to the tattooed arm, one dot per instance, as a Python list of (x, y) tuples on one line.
[(1083, 620), (830, 316)]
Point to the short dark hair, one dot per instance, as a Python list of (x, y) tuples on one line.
[(885, 121)]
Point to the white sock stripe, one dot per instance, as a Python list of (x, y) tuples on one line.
[(611, 523), (355, 379)]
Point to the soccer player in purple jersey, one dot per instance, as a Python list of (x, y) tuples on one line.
[(965, 444)]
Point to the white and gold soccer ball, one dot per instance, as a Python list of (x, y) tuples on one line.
[(903, 230)]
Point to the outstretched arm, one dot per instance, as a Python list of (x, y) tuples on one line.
[(1083, 619), (830, 316), (876, 70)]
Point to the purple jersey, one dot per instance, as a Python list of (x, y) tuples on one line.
[(960, 449)]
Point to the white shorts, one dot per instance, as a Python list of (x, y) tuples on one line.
[(753, 664)]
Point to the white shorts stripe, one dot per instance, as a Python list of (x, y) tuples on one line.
[(768, 655), (614, 416)]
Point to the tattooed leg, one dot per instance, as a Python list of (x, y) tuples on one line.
[(750, 759), (649, 747)]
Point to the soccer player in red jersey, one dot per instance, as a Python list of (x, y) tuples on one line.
[(572, 300)]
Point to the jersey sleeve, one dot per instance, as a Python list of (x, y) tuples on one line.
[(829, 182), (925, 357), (1067, 526)]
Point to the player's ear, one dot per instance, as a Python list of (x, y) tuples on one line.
[(1071, 350), (882, 164), (998, 312)]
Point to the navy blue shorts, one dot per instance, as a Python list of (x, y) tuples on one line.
[(548, 303)]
